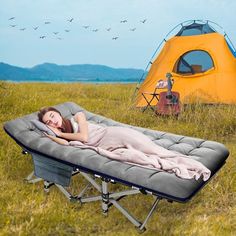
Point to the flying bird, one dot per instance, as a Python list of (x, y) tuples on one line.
[(133, 29), (108, 29), (143, 21), (115, 38), (42, 37), (86, 26), (47, 22), (59, 38), (35, 28), (55, 33), (12, 18), (67, 30), (95, 30), (23, 29), (70, 20), (123, 21), (13, 25)]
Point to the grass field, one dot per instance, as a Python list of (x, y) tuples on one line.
[(25, 209)]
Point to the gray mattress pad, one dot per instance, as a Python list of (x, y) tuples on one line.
[(212, 154)]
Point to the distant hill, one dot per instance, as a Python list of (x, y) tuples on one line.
[(80, 72)]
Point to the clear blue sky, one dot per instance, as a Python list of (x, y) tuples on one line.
[(132, 49)]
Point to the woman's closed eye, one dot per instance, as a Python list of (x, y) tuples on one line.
[(51, 115), (48, 122)]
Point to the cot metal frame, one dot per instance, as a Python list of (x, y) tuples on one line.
[(106, 197)]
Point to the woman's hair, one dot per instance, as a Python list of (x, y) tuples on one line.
[(66, 124), (44, 110)]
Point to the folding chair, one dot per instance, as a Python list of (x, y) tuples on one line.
[(161, 84)]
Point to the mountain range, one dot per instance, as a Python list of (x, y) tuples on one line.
[(78, 72)]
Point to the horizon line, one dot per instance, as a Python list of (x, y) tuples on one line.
[(52, 63)]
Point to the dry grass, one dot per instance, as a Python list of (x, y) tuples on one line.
[(26, 210)]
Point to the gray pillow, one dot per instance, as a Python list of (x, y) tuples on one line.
[(41, 126)]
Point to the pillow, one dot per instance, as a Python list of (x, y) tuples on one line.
[(41, 126)]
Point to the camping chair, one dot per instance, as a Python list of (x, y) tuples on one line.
[(149, 96)]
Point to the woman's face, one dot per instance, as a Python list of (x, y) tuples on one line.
[(53, 119)]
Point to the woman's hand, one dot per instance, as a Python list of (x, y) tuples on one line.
[(47, 135), (58, 140), (55, 130)]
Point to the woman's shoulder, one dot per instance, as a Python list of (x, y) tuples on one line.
[(78, 115)]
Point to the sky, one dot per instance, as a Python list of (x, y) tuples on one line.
[(136, 41)]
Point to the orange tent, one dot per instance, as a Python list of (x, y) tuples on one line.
[(202, 62)]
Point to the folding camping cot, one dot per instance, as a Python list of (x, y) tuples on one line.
[(56, 164)]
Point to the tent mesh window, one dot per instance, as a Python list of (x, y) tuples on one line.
[(195, 29), (193, 62)]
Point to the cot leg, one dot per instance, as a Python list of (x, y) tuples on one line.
[(63, 189), (31, 179), (47, 185), (108, 199), (142, 227), (125, 213), (92, 181), (105, 197), (65, 192), (80, 195)]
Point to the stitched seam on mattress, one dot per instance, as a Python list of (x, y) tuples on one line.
[(201, 144), (197, 147), (178, 142), (163, 135), (129, 168), (94, 154), (172, 145), (203, 147), (150, 176), (108, 162)]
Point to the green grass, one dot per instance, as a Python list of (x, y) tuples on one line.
[(26, 210)]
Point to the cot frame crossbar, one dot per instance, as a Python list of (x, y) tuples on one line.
[(106, 197)]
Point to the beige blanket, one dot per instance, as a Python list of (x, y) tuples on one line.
[(128, 145)]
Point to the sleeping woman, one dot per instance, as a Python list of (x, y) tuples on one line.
[(120, 143)]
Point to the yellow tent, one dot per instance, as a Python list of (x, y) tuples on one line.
[(202, 63)]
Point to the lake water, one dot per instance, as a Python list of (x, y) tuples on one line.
[(93, 81)]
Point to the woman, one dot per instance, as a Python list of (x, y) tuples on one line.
[(63, 127), (120, 143)]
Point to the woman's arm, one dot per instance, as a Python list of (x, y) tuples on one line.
[(58, 140), (83, 125)]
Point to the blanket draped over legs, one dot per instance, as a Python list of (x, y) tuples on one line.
[(128, 145)]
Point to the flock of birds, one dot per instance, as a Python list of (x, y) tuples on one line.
[(56, 33)]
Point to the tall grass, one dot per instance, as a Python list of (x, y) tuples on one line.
[(26, 210)]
